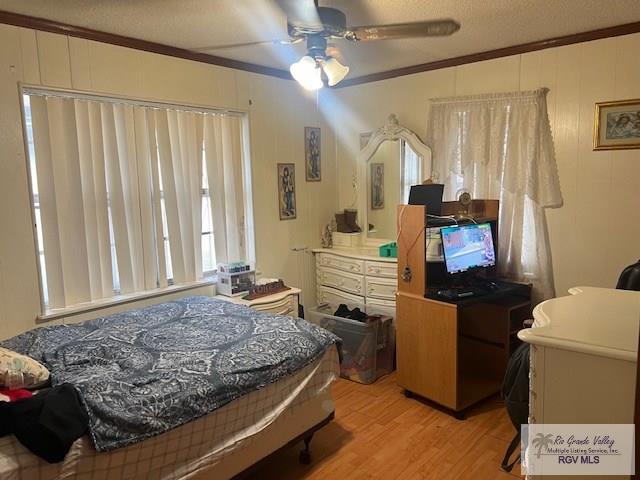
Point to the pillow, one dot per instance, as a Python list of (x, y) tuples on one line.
[(20, 371)]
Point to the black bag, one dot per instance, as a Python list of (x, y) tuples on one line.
[(515, 392)]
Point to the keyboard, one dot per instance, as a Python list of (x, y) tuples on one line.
[(466, 292)]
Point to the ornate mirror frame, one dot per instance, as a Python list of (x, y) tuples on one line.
[(390, 131)]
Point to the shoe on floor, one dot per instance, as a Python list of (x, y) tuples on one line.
[(357, 314), (342, 311)]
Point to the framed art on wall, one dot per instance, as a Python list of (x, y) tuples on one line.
[(617, 125), (377, 186), (312, 153), (287, 191)]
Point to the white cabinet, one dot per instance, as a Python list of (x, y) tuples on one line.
[(583, 357), (356, 279)]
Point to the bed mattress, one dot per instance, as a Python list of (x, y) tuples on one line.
[(217, 445)]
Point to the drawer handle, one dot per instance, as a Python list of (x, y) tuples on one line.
[(352, 267)]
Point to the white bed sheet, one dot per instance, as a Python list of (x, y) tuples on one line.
[(223, 443)]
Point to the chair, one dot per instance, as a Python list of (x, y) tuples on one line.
[(630, 278)]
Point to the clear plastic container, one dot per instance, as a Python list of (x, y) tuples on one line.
[(367, 347)]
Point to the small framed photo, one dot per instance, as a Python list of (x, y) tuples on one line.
[(377, 186), (364, 139), (287, 191), (312, 153), (617, 125)]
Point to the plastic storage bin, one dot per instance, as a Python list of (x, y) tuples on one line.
[(367, 348)]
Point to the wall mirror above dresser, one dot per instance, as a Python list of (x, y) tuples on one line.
[(353, 273), (393, 159)]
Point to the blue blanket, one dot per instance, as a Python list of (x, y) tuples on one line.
[(143, 372)]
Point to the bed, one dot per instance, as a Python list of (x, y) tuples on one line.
[(236, 385)]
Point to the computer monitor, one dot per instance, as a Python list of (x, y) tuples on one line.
[(468, 246), (429, 194)]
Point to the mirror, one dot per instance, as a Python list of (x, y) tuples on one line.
[(393, 159), (391, 171)]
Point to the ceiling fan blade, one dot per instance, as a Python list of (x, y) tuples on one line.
[(301, 12), (247, 44), (434, 28)]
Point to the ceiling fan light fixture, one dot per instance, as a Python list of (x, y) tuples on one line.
[(306, 72), (334, 70)]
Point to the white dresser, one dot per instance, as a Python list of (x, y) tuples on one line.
[(281, 303), (357, 278), (583, 357)]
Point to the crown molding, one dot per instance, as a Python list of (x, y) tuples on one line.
[(135, 43), (42, 24), (615, 31)]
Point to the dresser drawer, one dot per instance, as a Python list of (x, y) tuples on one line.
[(382, 288), (284, 306), (335, 297), (345, 264), (381, 307), (381, 269), (340, 280)]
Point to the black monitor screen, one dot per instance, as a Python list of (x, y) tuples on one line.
[(468, 246)]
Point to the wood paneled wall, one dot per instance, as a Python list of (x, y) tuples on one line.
[(278, 111), (595, 234)]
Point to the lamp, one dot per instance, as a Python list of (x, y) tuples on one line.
[(306, 72), (334, 70)]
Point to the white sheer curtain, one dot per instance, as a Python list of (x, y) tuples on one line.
[(102, 170), (500, 146)]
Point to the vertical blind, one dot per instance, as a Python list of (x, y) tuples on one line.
[(106, 169)]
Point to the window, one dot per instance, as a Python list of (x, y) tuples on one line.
[(123, 193), (411, 173)]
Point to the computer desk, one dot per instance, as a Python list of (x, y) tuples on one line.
[(452, 352)]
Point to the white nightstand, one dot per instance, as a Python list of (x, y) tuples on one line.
[(281, 303)]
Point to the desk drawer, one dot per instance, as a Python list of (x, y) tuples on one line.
[(340, 280), (382, 288), (381, 269), (345, 264)]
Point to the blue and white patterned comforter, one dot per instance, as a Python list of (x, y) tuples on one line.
[(145, 371)]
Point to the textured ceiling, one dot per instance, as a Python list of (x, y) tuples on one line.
[(486, 25)]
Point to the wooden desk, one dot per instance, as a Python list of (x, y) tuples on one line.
[(454, 353)]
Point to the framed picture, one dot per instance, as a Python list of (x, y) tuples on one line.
[(617, 125), (312, 153), (377, 186), (364, 139), (287, 191)]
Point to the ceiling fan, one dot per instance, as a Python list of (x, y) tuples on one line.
[(308, 21)]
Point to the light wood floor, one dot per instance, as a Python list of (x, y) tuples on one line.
[(380, 434)]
